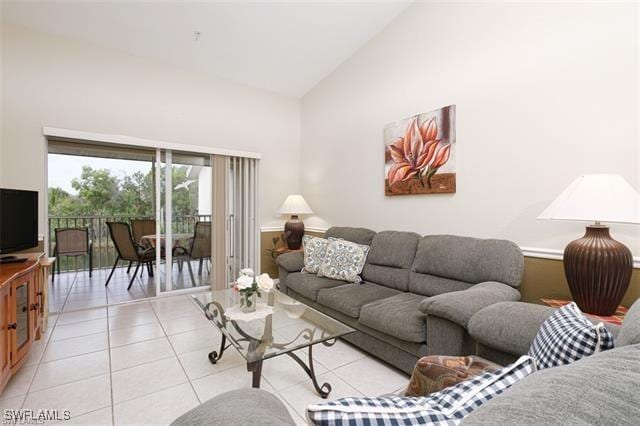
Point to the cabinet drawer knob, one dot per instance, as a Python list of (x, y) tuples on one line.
[(35, 306), (12, 326)]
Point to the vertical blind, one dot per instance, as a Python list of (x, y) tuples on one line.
[(235, 186), (242, 213)]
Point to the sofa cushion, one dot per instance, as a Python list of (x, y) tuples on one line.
[(630, 330), (390, 258), (430, 285), (236, 408), (387, 276), (308, 285), (397, 316), (471, 260), (349, 298), (355, 235), (598, 390), (393, 248)]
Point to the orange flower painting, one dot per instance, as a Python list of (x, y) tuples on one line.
[(419, 154)]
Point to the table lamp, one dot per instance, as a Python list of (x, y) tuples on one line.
[(597, 267), (294, 228)]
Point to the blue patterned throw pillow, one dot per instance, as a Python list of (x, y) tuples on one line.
[(567, 336), (447, 407), (344, 261), (315, 251)]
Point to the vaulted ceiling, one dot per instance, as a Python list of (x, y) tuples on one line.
[(285, 47)]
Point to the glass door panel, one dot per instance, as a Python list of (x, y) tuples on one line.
[(185, 220)]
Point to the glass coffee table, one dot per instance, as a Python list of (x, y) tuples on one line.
[(280, 326)]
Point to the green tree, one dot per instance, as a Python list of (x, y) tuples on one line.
[(100, 193)]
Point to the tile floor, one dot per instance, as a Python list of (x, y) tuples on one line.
[(72, 291), (146, 363)]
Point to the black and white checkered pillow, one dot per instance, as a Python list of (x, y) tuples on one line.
[(447, 407), (566, 336)]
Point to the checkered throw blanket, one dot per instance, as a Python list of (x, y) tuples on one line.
[(567, 336), (447, 407)]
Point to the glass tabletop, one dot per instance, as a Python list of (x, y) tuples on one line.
[(280, 324)]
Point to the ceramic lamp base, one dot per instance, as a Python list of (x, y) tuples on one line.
[(293, 233), (598, 270)]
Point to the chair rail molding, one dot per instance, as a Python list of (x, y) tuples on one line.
[(537, 252)]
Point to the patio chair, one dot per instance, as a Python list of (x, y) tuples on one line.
[(127, 250), (199, 248), (72, 242), (140, 228)]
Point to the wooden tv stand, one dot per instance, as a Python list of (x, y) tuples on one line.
[(21, 312)]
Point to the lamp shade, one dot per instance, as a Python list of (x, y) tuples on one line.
[(596, 198), (295, 204)]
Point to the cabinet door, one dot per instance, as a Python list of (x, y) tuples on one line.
[(5, 343), (22, 297)]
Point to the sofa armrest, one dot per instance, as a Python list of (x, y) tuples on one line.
[(509, 326), (459, 306), (292, 261)]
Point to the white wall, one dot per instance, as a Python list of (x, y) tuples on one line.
[(544, 93), (58, 82)]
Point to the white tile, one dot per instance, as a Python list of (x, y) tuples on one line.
[(20, 382), (303, 394), (132, 319), (34, 356), (129, 308), (74, 305), (69, 370), (299, 421), (78, 397), (337, 355), (283, 372), (385, 380), (181, 324), (140, 353), (125, 336), (61, 332), (94, 418), (80, 316), (234, 378), (76, 346), (147, 378), (197, 364), (159, 408), (196, 339), (11, 403), (174, 309)]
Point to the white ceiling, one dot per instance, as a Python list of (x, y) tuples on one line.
[(285, 47)]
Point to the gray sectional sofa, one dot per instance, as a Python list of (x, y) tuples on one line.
[(598, 390), (418, 295)]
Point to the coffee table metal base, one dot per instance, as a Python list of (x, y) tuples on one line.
[(256, 367)]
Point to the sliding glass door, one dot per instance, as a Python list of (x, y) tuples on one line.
[(183, 217)]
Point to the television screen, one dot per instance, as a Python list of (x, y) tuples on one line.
[(18, 220)]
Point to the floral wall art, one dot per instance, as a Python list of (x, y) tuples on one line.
[(419, 154)]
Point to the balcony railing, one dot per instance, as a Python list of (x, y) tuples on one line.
[(104, 252)]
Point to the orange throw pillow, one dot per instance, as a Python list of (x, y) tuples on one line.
[(434, 373)]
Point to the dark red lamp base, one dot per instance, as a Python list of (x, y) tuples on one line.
[(598, 270), (293, 233)]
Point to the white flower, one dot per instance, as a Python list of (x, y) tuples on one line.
[(244, 282), (247, 272), (264, 282)]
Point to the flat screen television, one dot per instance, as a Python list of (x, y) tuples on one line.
[(18, 220)]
